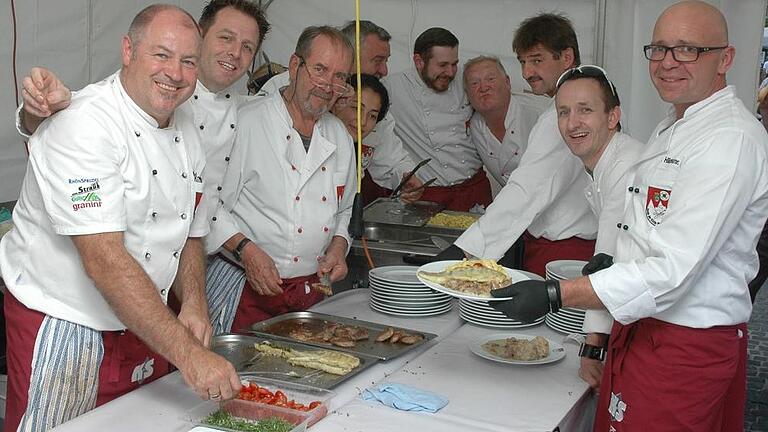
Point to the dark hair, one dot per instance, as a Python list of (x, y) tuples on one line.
[(138, 26), (366, 28), (368, 81), (553, 31), (436, 36), (304, 44), (253, 10)]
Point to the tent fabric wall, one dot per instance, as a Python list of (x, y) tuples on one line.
[(79, 39)]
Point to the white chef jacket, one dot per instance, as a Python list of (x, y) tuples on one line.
[(686, 250), (544, 194), (102, 165), (606, 193), (290, 202), (434, 125), (501, 158), (385, 159)]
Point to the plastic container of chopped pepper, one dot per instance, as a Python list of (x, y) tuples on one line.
[(264, 398)]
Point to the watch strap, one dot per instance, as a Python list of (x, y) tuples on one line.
[(237, 253), (593, 352)]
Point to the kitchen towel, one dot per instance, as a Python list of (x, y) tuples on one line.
[(405, 397)]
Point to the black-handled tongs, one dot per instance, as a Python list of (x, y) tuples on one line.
[(396, 192)]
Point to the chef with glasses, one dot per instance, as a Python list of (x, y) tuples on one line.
[(288, 192)]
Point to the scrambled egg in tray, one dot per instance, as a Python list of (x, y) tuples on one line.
[(452, 220)]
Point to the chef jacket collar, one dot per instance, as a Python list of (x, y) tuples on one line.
[(202, 91), (727, 92), (607, 157), (286, 117), (139, 113)]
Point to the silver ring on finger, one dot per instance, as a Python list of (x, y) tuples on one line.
[(213, 396)]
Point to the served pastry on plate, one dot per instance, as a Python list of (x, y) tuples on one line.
[(478, 276)]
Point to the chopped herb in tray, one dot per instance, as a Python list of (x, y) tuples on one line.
[(224, 419)]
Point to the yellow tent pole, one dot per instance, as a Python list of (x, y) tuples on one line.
[(359, 100)]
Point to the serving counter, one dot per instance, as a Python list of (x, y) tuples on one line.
[(484, 395)]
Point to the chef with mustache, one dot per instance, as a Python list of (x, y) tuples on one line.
[(543, 199), (431, 115)]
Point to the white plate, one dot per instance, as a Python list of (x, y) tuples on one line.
[(395, 274), (500, 326), (562, 328), (410, 303), (414, 308), (408, 313), (565, 269), (438, 266), (423, 291), (556, 350)]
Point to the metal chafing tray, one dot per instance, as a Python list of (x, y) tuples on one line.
[(240, 351), (280, 326), (396, 212)]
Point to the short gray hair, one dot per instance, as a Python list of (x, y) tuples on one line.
[(304, 44), (483, 58), (138, 26), (366, 28)]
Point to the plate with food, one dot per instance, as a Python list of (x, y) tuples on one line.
[(469, 279), (518, 349)]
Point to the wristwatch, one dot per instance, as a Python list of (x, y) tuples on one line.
[(593, 352), (237, 253)]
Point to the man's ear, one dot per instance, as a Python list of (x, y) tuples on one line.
[(419, 62), (126, 50), (293, 66), (614, 116), (568, 57)]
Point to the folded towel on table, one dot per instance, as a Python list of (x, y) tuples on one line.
[(405, 397)]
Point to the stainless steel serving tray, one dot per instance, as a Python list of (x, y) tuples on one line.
[(240, 351), (385, 210), (280, 326)]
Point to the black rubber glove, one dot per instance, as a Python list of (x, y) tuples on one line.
[(453, 252), (531, 299), (596, 263)]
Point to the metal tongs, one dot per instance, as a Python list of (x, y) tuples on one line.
[(396, 192)]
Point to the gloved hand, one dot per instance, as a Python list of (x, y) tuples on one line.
[(453, 252), (596, 263), (531, 299)]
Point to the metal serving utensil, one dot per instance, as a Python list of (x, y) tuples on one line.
[(396, 192)]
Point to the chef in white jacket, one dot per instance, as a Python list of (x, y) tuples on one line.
[(385, 160), (543, 200), (233, 31), (686, 249), (589, 114), (503, 120), (431, 115), (288, 193)]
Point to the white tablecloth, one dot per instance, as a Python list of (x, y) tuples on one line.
[(484, 395)]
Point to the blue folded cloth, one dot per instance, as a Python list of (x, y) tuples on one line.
[(405, 397)]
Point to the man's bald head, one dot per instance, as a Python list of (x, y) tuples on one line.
[(690, 27)]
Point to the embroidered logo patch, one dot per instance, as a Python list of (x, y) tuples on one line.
[(367, 155), (143, 371), (85, 200), (656, 204), (617, 407), (339, 192)]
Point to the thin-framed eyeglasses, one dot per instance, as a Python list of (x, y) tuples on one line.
[(681, 53), (590, 71), (342, 89)]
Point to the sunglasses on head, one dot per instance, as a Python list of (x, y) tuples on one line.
[(590, 71)]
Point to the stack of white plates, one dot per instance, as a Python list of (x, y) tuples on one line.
[(396, 290), (566, 320), (480, 313)]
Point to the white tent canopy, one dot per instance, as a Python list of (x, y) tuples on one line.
[(79, 39)]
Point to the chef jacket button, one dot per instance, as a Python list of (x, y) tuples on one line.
[(293, 167), (322, 168), (202, 127), (625, 227), (154, 172), (183, 215), (300, 230), (154, 214), (137, 133), (175, 254), (147, 256), (196, 97), (630, 188), (162, 291), (213, 218), (463, 161), (218, 188), (490, 153), (176, 139), (295, 259), (297, 198), (231, 125), (618, 225), (227, 96), (183, 175), (637, 190), (287, 137), (324, 199), (226, 159), (325, 229)]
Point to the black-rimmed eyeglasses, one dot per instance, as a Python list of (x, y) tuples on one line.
[(681, 53), (590, 71)]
